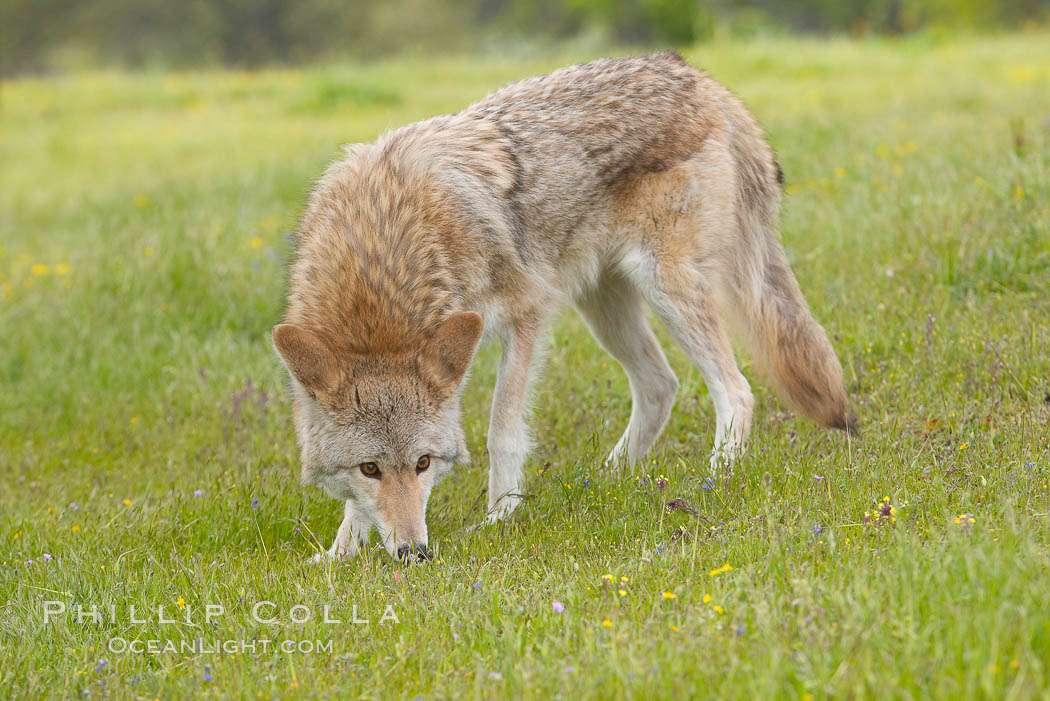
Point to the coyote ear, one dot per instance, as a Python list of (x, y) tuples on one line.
[(306, 356), (450, 351)]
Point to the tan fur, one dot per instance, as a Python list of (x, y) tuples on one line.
[(793, 348), (608, 185)]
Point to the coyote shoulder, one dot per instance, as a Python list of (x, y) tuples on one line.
[(615, 186)]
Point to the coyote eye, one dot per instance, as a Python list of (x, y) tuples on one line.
[(369, 469), (423, 463)]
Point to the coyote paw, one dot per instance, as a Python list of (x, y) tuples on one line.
[(724, 455), (719, 461), (343, 548), (503, 508), (618, 457), (329, 556)]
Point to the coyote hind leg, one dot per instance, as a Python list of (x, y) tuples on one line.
[(615, 312), (683, 295)]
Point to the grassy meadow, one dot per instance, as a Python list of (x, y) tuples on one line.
[(147, 456)]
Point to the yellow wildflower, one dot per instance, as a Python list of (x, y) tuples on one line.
[(1022, 74), (905, 148)]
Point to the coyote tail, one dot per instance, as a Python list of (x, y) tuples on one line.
[(787, 342)]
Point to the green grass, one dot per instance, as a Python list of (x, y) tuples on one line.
[(138, 369)]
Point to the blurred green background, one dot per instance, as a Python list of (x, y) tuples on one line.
[(57, 35)]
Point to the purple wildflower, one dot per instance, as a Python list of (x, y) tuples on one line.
[(198, 492), (477, 585), (885, 513), (101, 664), (680, 504), (47, 557), (708, 483), (817, 530), (255, 502), (558, 606), (207, 673)]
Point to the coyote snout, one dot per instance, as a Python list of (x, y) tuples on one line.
[(420, 552), (402, 501)]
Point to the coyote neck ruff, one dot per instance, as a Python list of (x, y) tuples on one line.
[(616, 186)]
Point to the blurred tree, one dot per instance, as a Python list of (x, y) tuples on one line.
[(40, 35), (29, 30)]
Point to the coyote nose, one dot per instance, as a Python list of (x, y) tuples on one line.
[(405, 552)]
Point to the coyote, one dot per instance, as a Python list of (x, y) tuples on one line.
[(613, 185)]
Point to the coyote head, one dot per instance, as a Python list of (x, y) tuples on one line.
[(381, 428)]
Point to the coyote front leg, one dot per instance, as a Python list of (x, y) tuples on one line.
[(352, 534), (508, 441)]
